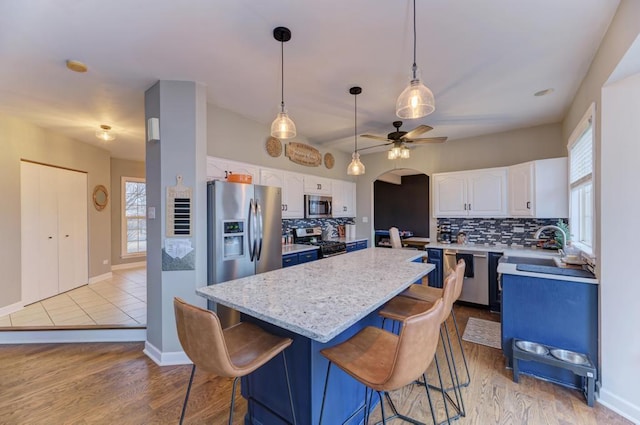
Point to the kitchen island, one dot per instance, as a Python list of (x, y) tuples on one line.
[(317, 304)]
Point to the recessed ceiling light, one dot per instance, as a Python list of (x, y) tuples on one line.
[(76, 66), (543, 92)]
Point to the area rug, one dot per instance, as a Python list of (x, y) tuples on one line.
[(483, 332)]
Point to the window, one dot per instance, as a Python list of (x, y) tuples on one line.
[(581, 196), (134, 223)]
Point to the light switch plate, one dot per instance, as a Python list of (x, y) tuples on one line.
[(151, 213)]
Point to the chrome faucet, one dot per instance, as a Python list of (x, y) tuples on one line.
[(551, 226)]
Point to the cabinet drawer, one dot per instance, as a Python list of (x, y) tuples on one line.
[(290, 260), (305, 257), (362, 244), (351, 246)]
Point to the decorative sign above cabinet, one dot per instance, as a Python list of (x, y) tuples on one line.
[(303, 154)]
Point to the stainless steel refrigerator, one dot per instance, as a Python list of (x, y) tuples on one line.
[(244, 235)]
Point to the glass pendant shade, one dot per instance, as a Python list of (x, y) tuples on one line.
[(356, 167), (283, 127), (415, 101), (405, 153), (391, 155)]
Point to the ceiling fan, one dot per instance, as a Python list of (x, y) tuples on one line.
[(401, 139)]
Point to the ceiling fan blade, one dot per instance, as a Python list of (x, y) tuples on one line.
[(417, 131), (371, 136), (376, 146), (427, 140)]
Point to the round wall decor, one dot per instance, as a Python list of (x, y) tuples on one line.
[(274, 147), (100, 197), (329, 161)]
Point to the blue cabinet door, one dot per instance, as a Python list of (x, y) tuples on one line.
[(434, 256), (351, 246), (289, 260), (305, 257), (361, 245)]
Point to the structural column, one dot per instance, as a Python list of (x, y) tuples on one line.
[(176, 259)]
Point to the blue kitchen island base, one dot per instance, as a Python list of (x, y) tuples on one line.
[(551, 312), (307, 372)]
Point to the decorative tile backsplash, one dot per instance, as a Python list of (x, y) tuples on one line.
[(289, 224), (498, 231)]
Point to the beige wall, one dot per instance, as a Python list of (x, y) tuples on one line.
[(494, 150), (22, 140), (121, 168)]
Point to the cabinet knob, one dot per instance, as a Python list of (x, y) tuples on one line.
[(528, 205), (319, 186), (50, 237), (66, 236)]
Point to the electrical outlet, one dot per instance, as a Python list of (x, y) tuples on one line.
[(105, 262), (365, 219)]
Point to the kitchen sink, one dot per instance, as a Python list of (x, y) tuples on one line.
[(537, 261)]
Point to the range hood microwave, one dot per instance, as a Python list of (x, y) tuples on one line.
[(317, 206)]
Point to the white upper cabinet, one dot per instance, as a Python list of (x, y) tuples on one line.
[(219, 169), (539, 189), (478, 193), (292, 190), (317, 185), (344, 198)]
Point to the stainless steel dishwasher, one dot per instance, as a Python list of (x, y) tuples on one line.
[(475, 289)]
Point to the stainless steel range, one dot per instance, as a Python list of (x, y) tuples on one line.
[(313, 236)]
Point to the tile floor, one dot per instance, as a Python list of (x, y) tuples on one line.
[(120, 300)]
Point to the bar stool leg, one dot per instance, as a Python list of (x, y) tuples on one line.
[(456, 385), (384, 420), (426, 386), (464, 358), (453, 374), (286, 374), (233, 399), (444, 395), (324, 393), (184, 406)]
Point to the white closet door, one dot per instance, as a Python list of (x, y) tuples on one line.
[(72, 230), (47, 256)]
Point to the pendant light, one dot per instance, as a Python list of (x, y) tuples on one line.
[(356, 167), (416, 100), (282, 127)]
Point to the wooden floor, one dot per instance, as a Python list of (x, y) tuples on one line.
[(115, 383)]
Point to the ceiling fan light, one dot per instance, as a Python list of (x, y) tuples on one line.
[(416, 101), (405, 153), (283, 127), (391, 155), (356, 167)]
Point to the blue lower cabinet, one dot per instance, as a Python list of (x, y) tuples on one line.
[(352, 246), (305, 257), (289, 260), (435, 257), (361, 245)]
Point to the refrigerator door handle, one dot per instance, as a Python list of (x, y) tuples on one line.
[(260, 232), (250, 230)]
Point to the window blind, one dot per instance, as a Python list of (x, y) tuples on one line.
[(581, 158)]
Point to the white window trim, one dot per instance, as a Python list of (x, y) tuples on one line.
[(123, 218), (589, 116)]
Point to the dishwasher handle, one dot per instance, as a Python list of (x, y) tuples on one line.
[(452, 254)]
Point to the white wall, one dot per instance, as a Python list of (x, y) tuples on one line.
[(620, 206)]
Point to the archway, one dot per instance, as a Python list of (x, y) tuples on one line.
[(401, 199)]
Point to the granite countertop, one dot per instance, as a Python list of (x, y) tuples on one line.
[(321, 299), (296, 248), (510, 268), (506, 250)]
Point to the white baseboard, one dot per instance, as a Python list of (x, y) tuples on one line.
[(165, 359), (100, 278), (619, 405), (124, 266), (11, 308), (79, 335)]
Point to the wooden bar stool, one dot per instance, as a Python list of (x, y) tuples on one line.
[(233, 353), (384, 361)]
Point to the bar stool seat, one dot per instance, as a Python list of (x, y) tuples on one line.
[(232, 353), (423, 293)]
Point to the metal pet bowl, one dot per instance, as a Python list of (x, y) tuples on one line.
[(569, 356), (532, 347)]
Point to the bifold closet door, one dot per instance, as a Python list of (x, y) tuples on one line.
[(72, 230), (54, 231)]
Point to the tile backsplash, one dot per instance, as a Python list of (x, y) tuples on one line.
[(289, 224), (498, 231)]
